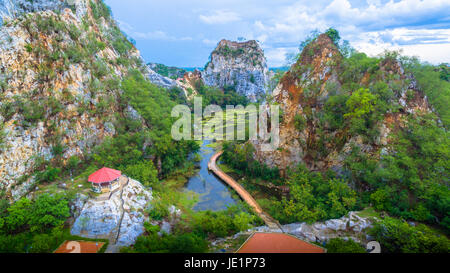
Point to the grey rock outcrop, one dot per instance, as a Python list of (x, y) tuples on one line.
[(240, 65), (103, 219), (14, 8), (352, 226), (160, 80)]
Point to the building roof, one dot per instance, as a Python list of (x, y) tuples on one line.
[(104, 175), (79, 247), (277, 243)]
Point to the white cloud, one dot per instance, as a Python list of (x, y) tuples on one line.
[(158, 35), (220, 17), (419, 27), (154, 35), (395, 24), (124, 26), (209, 42), (432, 45), (276, 57)]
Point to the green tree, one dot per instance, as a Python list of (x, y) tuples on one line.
[(19, 215), (48, 211), (334, 35), (243, 220), (360, 103)]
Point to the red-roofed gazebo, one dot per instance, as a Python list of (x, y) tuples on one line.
[(105, 179)]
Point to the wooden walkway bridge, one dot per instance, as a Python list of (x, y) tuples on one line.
[(270, 222)]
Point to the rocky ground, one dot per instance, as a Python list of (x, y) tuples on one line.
[(352, 226)]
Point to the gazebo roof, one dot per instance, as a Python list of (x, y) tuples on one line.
[(104, 175)]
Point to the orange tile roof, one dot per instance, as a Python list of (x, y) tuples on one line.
[(84, 247), (277, 243)]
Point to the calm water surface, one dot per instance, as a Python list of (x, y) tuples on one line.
[(214, 194)]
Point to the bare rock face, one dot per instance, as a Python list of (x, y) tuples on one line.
[(160, 80), (305, 135), (19, 7), (188, 83), (58, 70), (120, 219), (185, 83), (240, 65)]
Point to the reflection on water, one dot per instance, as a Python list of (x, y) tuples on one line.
[(214, 194)]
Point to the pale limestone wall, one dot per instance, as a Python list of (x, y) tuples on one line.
[(247, 71)]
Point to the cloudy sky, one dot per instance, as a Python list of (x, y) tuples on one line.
[(184, 32)]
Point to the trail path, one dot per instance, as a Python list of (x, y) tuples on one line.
[(113, 247)]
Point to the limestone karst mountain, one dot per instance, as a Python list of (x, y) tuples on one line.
[(61, 67), (318, 127), (241, 65)]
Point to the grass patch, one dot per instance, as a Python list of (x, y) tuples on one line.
[(368, 213)]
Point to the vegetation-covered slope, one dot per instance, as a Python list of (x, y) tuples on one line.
[(70, 80), (363, 132)]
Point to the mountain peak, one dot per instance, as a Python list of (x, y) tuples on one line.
[(241, 65)]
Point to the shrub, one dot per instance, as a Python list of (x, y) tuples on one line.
[(33, 111), (151, 229), (145, 172), (158, 211), (338, 245), (73, 162), (100, 69), (183, 243), (2, 136), (49, 175), (42, 214), (13, 243), (58, 150), (300, 122), (74, 54), (397, 236)]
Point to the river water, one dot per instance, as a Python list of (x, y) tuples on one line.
[(214, 194)]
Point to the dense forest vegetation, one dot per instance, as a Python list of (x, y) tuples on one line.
[(192, 234), (221, 97)]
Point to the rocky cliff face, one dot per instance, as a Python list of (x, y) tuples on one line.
[(306, 134), (160, 80), (61, 67), (187, 83), (241, 65)]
